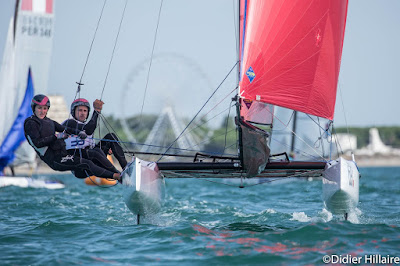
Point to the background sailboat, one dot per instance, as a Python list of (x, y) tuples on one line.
[(28, 46), (15, 136)]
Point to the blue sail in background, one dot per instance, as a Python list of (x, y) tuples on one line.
[(16, 135)]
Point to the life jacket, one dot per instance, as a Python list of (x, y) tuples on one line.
[(46, 130)]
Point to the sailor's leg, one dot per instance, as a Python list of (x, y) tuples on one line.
[(12, 170), (81, 173), (75, 163), (115, 147), (98, 157)]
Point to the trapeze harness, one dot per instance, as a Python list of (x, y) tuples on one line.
[(87, 147)]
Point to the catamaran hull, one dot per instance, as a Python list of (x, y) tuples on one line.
[(340, 186), (145, 187), (30, 182)]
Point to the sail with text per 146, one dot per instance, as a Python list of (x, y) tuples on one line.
[(28, 46)]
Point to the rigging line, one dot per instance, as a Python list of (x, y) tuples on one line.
[(199, 125), (91, 45), (318, 123), (229, 147), (226, 128), (208, 139), (106, 123), (235, 26), (78, 91), (215, 106), (200, 110), (297, 136), (295, 175), (215, 182), (98, 126), (198, 178), (156, 146), (151, 61), (285, 126), (338, 146), (345, 118), (321, 136), (113, 51), (224, 134), (297, 150)]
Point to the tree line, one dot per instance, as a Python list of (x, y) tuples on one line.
[(223, 138), (390, 135)]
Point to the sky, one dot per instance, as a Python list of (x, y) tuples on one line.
[(194, 51)]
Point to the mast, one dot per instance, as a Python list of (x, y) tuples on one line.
[(293, 133), (238, 44), (240, 142), (15, 19)]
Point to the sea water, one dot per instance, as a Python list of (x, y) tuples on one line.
[(201, 223)]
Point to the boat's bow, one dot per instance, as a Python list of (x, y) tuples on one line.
[(144, 187), (341, 186)]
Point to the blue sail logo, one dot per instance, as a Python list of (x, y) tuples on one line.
[(250, 74)]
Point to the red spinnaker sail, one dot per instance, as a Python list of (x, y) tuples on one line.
[(291, 52)]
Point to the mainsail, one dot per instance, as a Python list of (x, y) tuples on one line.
[(28, 46), (291, 52)]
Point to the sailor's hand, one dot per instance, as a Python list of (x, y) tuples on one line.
[(82, 134), (61, 135), (98, 105)]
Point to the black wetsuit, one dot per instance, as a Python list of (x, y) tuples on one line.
[(40, 134), (103, 145)]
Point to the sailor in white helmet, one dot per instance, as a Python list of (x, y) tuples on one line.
[(80, 110)]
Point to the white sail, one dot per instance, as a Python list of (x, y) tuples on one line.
[(29, 45), (7, 84)]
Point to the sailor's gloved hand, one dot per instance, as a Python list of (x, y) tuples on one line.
[(82, 135), (98, 105), (61, 135)]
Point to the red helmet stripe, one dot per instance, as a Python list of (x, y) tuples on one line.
[(43, 102), (80, 100)]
